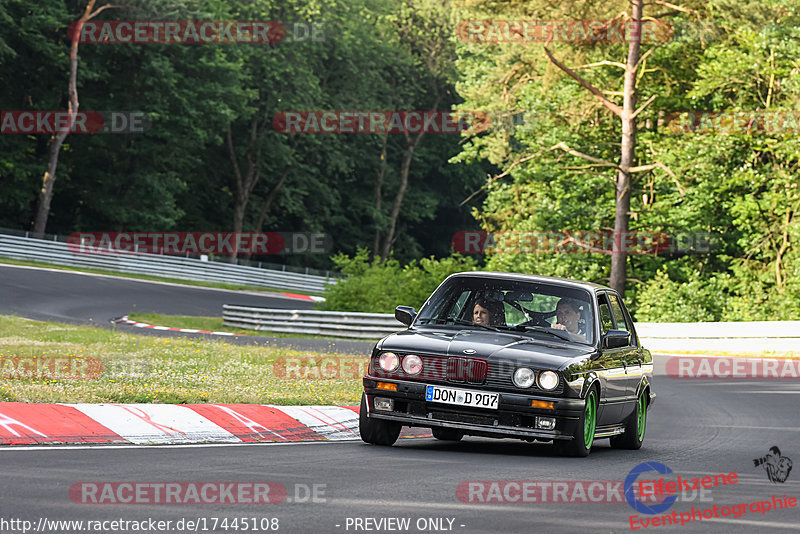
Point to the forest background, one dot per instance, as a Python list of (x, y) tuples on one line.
[(212, 159)]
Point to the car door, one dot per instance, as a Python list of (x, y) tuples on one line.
[(612, 368), (631, 354)]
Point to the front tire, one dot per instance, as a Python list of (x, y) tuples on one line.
[(376, 431), (634, 427), (581, 443)]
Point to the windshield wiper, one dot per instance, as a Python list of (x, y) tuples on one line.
[(562, 334), (456, 320)]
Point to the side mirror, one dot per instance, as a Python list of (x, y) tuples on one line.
[(405, 314), (616, 338)]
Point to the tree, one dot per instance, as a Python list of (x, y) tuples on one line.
[(49, 178)]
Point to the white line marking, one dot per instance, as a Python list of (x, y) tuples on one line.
[(133, 446)]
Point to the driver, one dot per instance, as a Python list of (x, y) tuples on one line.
[(567, 316), (488, 312)]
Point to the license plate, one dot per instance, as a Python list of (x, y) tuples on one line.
[(462, 397)]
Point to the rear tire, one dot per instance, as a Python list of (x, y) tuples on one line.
[(376, 431), (447, 434), (635, 426), (581, 443)]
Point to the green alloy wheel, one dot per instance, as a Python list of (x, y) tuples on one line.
[(634, 426)]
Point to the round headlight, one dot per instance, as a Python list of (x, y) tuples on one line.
[(388, 361), (524, 377), (548, 380), (412, 364)]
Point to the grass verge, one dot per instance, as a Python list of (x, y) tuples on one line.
[(233, 287), (144, 369)]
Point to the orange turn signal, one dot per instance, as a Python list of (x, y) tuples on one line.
[(542, 404), (388, 386)]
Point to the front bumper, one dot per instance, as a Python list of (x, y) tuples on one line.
[(514, 417)]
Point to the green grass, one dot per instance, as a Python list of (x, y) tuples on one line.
[(144, 369), (214, 324), (235, 287)]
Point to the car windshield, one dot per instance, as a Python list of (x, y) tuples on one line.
[(533, 308)]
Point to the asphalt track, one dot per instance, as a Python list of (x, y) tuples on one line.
[(696, 428), (80, 298)]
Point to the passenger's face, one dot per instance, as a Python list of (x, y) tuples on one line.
[(568, 317), (480, 315)]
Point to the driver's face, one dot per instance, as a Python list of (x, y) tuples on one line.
[(480, 315), (568, 317)]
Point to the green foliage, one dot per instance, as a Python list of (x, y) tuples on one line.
[(671, 301), (372, 286), (740, 189), (179, 176)]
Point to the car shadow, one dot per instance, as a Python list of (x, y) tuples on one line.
[(497, 447)]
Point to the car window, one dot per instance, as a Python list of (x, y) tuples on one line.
[(515, 305), (514, 315), (458, 307), (606, 323), (619, 317)]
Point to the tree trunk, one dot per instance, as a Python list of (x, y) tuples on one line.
[(378, 197), (619, 255), (49, 178), (267, 205), (405, 168), (244, 183)]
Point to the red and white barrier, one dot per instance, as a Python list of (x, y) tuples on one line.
[(26, 424)]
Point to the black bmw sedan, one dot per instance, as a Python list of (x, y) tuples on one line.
[(512, 356)]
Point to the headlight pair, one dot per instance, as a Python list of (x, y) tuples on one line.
[(525, 377), (411, 364)]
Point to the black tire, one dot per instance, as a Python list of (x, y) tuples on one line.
[(581, 443), (376, 431), (447, 434), (635, 426)]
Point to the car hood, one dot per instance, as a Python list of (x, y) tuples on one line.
[(494, 346)]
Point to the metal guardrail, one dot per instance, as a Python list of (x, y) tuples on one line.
[(752, 337), (323, 323), (56, 252)]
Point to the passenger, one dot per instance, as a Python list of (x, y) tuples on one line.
[(568, 314), (488, 312)]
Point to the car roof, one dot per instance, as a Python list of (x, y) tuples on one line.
[(532, 278)]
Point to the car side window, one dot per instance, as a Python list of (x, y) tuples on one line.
[(619, 317), (605, 315), (623, 320)]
